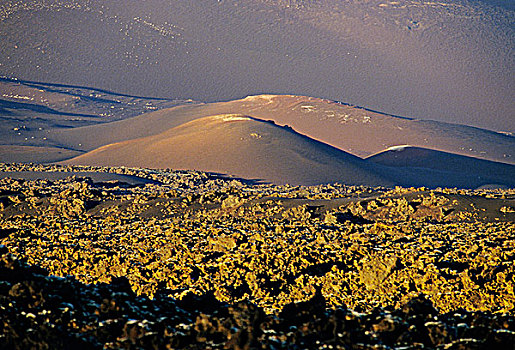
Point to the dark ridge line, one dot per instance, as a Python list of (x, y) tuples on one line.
[(41, 84), (40, 109), (506, 133), (53, 126), (85, 97), (311, 140), (420, 120), (55, 145), (370, 110), (225, 176), (27, 82), (439, 151), (56, 125), (51, 144), (6, 113)]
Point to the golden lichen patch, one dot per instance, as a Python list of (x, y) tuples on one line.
[(270, 245)]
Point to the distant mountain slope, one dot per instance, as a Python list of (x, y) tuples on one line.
[(427, 167), (86, 104), (242, 146), (29, 109), (447, 60), (47, 123), (350, 128), (34, 154), (93, 136)]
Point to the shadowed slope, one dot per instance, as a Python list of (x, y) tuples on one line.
[(427, 167), (241, 146)]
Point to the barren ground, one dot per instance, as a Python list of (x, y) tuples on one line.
[(286, 263)]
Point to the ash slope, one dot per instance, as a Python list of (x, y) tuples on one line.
[(241, 146), (353, 129), (446, 169), (29, 109), (450, 60), (254, 149)]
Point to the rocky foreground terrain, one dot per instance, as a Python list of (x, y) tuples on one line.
[(186, 259)]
